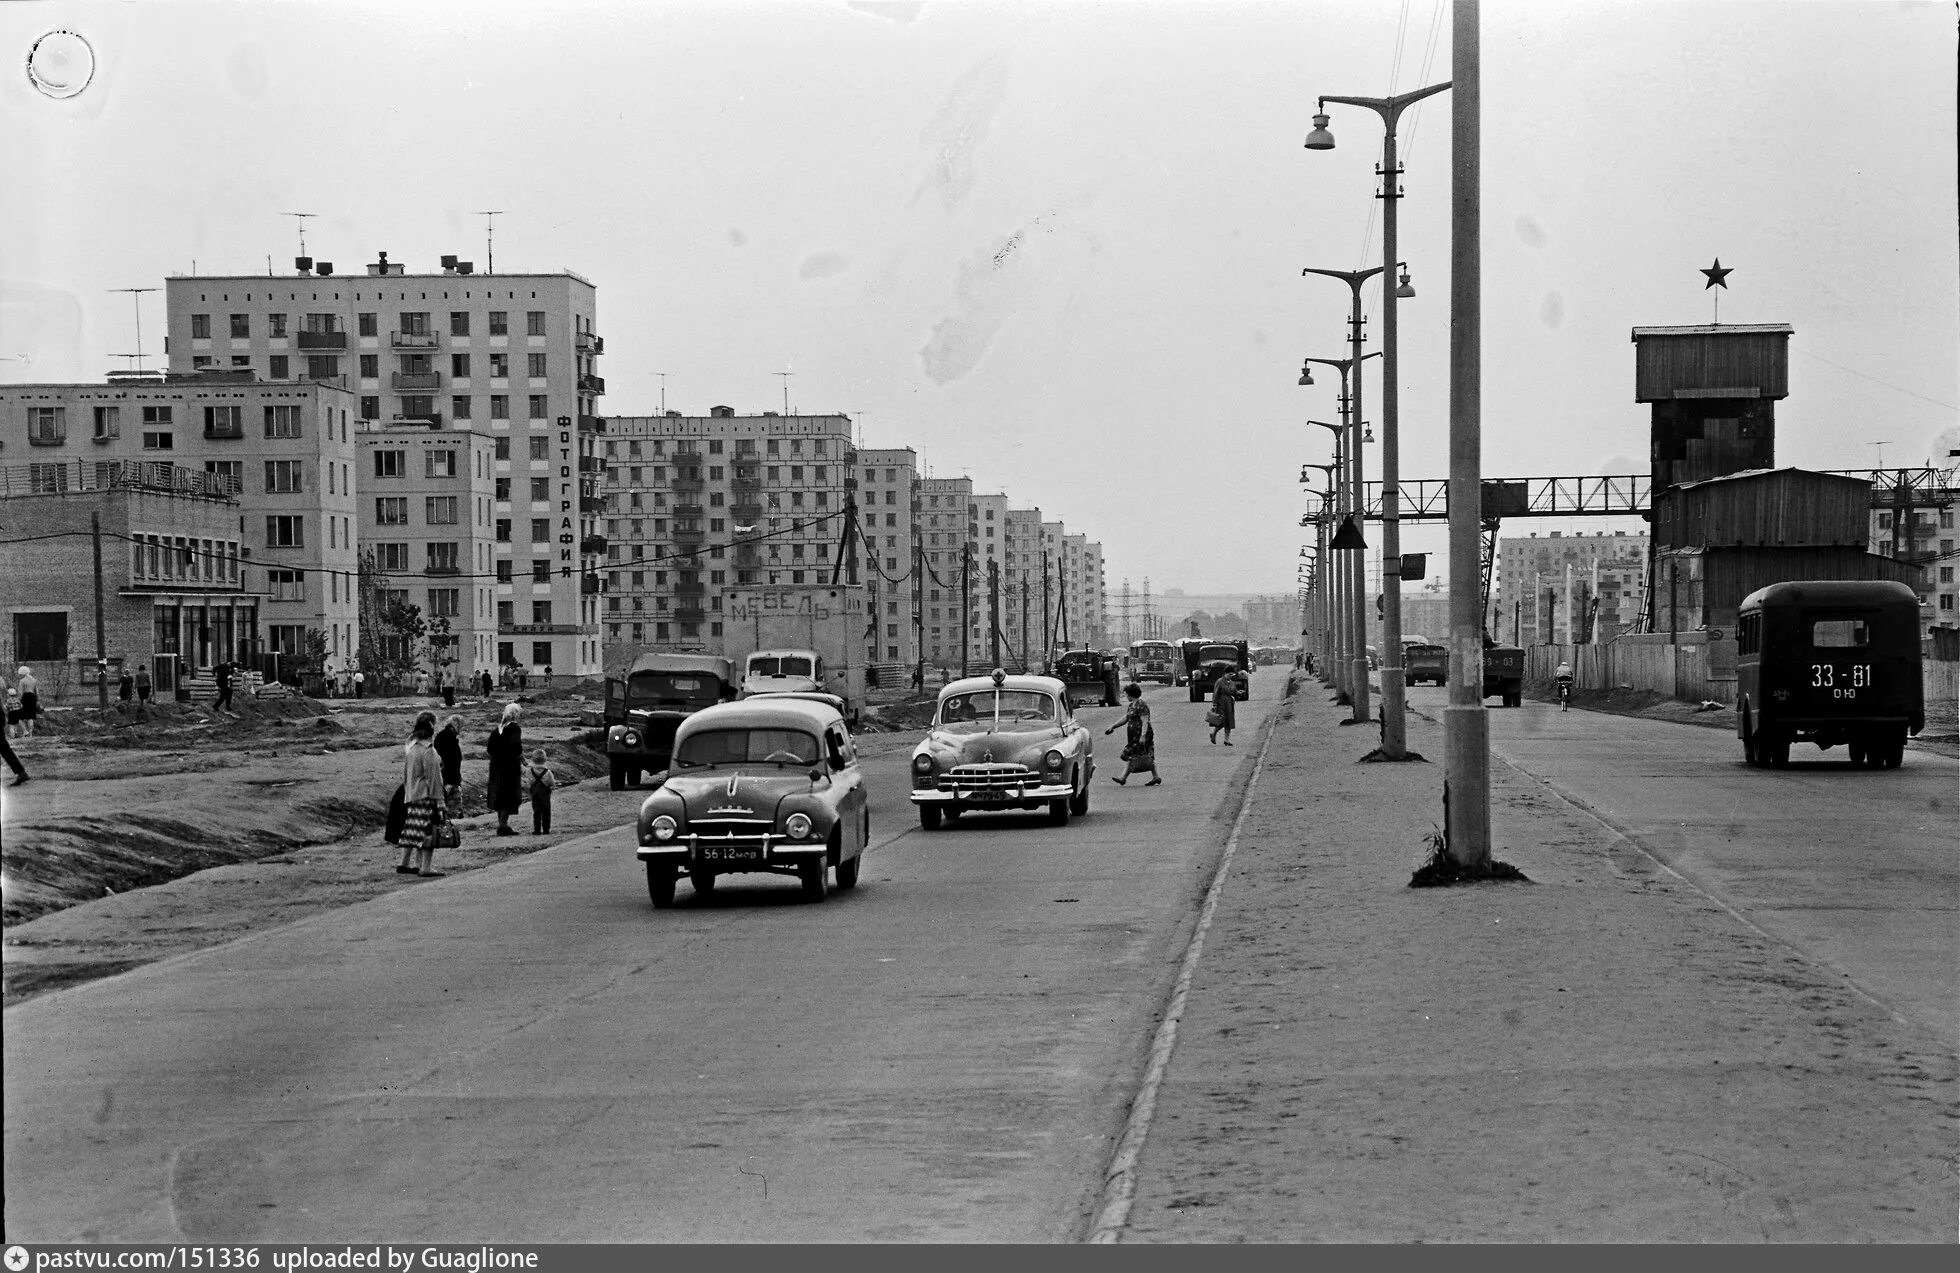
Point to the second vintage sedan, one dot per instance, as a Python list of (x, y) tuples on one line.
[(770, 783), (1003, 742)]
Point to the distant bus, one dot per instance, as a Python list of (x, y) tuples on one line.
[(1153, 661), (1829, 662)]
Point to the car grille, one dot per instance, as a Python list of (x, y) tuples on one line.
[(991, 777), (753, 833)]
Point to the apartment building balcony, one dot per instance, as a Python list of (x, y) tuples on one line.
[(591, 464), (322, 340), (590, 585), (590, 343), (591, 384), (432, 420), (746, 555), (412, 340), (689, 614), (541, 629), (688, 562), (687, 457), (692, 534), (689, 510), (690, 589), (591, 505), (693, 484), (416, 381), (745, 514), (593, 545), (591, 424), (442, 570), (746, 480)]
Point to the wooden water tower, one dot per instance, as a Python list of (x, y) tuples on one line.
[(1713, 388)]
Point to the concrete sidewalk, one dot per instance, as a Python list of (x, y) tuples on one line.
[(1604, 1054)]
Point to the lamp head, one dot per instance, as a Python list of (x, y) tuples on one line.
[(1367, 432), (1320, 138), (1306, 374), (1405, 291)]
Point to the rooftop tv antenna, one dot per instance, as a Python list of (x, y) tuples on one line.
[(1881, 450), (490, 238), (302, 216), (135, 299), (663, 391), (785, 375)]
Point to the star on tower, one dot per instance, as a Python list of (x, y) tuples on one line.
[(1717, 276)]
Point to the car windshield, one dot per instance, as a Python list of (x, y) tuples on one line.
[(746, 747), (671, 689), (1003, 711), (1219, 653), (1156, 651), (789, 665)]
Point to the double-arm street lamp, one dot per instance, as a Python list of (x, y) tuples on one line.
[(1353, 567), (1394, 724), (1326, 629), (1336, 506)]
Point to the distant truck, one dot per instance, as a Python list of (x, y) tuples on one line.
[(798, 637), (1423, 660), (1092, 677), (1206, 660), (1504, 673), (643, 710)]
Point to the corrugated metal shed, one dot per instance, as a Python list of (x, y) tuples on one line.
[(1733, 360), (1707, 585), (1765, 508)]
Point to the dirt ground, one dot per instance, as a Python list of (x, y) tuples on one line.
[(139, 838)]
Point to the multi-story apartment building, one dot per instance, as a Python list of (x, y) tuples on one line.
[(695, 504), (286, 451), (1082, 587), (1022, 613), (987, 524), (888, 511), (947, 534), (175, 591), (1926, 538), (429, 533), (1530, 596), (510, 354)]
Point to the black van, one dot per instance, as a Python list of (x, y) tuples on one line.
[(1829, 662)]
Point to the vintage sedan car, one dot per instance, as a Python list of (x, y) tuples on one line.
[(770, 783), (1003, 742)]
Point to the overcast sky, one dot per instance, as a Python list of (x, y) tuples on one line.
[(1054, 247)]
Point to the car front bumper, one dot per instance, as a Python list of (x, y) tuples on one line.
[(981, 796)]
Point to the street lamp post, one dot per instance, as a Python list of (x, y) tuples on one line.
[(1394, 721), (1325, 629), (1354, 567), (1339, 505)]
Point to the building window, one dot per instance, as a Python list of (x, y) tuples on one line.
[(391, 510), (284, 531), (503, 571), (540, 490), (440, 510), (459, 406), (534, 323), (159, 440), (459, 324), (541, 448), (286, 585), (282, 422), (282, 477), (439, 462), (500, 409), (200, 327), (540, 530), (503, 453), (368, 324), (444, 603), (499, 365), (40, 637), (503, 489), (534, 365), (370, 407), (459, 366), (391, 558), (541, 570), (414, 324), (241, 326), (503, 530), (540, 407), (224, 422), (499, 323), (278, 368), (442, 557), (390, 463), (370, 366)]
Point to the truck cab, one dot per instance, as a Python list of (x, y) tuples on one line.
[(646, 707), (774, 671)]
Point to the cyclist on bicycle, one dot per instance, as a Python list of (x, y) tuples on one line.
[(1563, 675)]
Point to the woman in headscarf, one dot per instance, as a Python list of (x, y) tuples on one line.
[(449, 749), (1224, 705), (422, 790), (506, 748), (1140, 742)]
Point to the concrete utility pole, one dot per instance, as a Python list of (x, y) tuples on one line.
[(993, 610), (101, 645), (1466, 725), (919, 611), (966, 606), (1024, 620), (1047, 632)]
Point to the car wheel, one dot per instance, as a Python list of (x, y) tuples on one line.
[(847, 872), (929, 816), (660, 884), (633, 775), (1894, 749), (618, 774), (1774, 747), (1856, 752), (815, 875), (1058, 811), (1078, 803), (701, 878), (1751, 754)]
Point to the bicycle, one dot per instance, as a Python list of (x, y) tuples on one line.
[(1565, 693)]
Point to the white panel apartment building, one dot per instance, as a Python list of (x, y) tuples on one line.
[(509, 354), (1022, 638), (1530, 590), (286, 448), (695, 504), (427, 515), (987, 523), (888, 510), (946, 532)]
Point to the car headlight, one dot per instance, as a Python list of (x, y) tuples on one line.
[(664, 827), (797, 826), (1053, 760), (922, 764), (629, 738)]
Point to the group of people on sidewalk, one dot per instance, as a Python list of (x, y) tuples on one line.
[(430, 797)]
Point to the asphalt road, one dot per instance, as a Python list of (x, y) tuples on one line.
[(1856, 868), (530, 1053)]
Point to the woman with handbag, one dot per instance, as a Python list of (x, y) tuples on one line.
[(1224, 706), (1140, 740), (422, 791)]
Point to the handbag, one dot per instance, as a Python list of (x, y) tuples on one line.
[(447, 836), (1213, 718)]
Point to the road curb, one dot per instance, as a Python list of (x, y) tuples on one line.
[(1120, 1177)]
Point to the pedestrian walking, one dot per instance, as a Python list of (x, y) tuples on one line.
[(487, 684), (143, 688), (1140, 740), (125, 687), (449, 749), (422, 793), (13, 761), (222, 674), (360, 679), (446, 682), (542, 781), (30, 700), (506, 748), (1224, 706), (546, 683)]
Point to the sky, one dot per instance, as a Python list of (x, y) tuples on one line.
[(1054, 247)]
